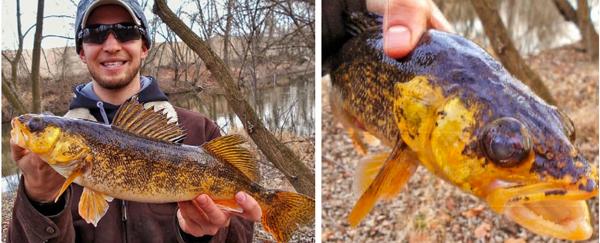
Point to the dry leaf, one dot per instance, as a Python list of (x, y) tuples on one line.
[(483, 230), (473, 212), (418, 237), (515, 240), (450, 204)]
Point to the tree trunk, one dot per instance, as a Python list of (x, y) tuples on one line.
[(36, 105), (586, 28), (12, 98), (567, 11), (281, 156), (505, 49), (227, 34)]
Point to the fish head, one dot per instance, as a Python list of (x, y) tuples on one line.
[(536, 176), (35, 133), (49, 137)]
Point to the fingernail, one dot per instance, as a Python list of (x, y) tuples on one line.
[(240, 197), (203, 200), (396, 38)]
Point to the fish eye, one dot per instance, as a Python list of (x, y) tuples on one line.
[(506, 142), (36, 124)]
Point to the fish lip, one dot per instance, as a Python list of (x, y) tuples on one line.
[(552, 209)]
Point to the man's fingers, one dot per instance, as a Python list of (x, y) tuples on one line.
[(404, 23), (215, 215), (251, 209), (187, 225), (191, 214), (438, 21), (17, 152)]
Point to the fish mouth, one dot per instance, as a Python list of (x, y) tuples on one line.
[(549, 209), (19, 132)]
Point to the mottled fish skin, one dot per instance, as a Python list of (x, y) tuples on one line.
[(366, 79), (133, 168)]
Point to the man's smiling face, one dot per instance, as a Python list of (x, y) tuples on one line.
[(113, 64)]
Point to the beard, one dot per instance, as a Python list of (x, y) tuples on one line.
[(119, 83)]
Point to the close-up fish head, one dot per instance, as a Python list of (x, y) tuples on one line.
[(540, 180), (480, 128), (519, 156)]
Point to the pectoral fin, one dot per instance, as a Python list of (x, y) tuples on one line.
[(397, 169), (93, 205), (68, 182)]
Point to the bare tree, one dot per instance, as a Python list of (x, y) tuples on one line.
[(281, 156), (581, 18), (505, 49), (588, 33), (35, 61), (9, 85)]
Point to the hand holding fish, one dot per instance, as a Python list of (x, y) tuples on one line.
[(405, 22), (41, 181), (201, 216)]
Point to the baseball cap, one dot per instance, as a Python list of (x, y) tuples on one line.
[(86, 7)]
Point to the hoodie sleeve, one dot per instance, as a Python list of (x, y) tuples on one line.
[(334, 34), (52, 224)]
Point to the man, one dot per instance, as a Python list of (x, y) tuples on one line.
[(112, 40)]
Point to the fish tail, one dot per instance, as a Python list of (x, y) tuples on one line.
[(284, 212)]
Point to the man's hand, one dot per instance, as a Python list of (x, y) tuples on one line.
[(201, 216), (41, 181), (404, 21)]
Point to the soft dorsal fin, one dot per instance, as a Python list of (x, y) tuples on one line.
[(226, 149), (132, 117)]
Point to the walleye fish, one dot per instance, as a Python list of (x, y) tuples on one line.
[(450, 107), (137, 158)]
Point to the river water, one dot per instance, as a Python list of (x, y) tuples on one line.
[(288, 108)]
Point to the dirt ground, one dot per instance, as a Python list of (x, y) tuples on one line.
[(431, 210)]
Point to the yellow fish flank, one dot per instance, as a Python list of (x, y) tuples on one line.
[(138, 158), (453, 109)]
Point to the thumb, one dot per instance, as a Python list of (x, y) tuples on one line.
[(404, 23)]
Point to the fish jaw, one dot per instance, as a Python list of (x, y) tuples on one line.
[(18, 133), (546, 208)]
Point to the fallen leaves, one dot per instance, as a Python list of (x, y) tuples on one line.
[(483, 230), (473, 212)]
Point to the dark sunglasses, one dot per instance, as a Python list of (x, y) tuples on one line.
[(97, 34)]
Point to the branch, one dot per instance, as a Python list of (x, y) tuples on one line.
[(281, 156)]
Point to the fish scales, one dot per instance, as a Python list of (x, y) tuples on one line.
[(134, 168)]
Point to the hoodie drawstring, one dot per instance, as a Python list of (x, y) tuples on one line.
[(100, 106)]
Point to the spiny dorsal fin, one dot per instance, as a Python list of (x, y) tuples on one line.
[(133, 118), (227, 150), (359, 22)]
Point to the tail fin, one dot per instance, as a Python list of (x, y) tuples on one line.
[(285, 212)]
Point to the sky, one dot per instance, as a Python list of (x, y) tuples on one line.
[(60, 26)]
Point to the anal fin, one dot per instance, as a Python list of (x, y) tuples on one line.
[(228, 205), (93, 205), (391, 178)]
